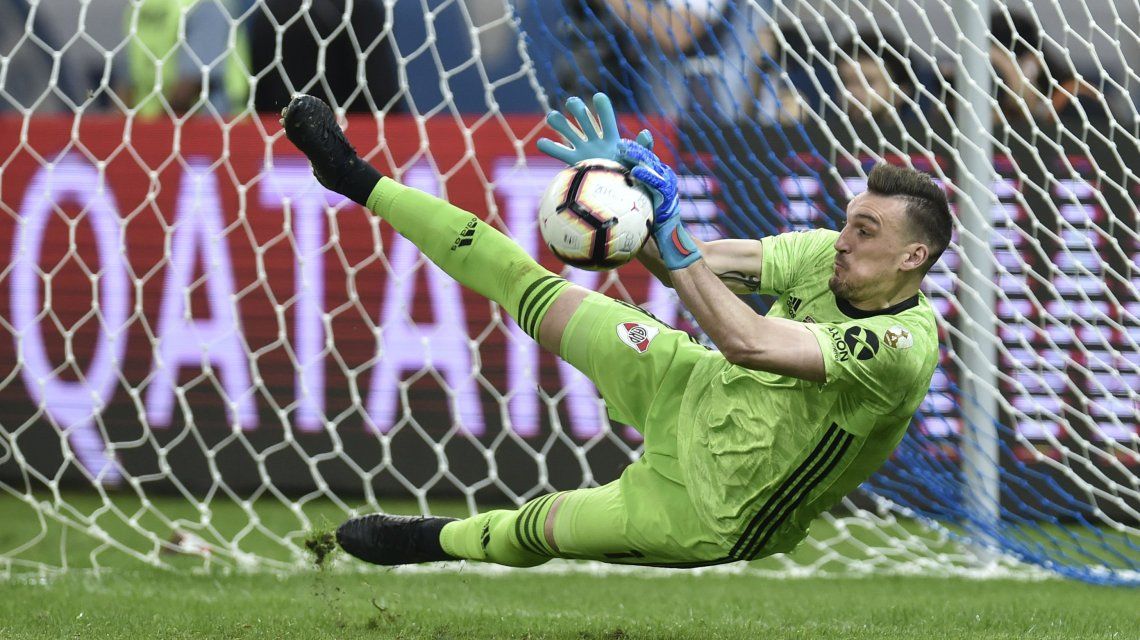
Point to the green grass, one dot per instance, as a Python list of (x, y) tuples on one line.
[(460, 604), (126, 599)]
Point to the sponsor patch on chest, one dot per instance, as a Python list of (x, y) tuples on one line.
[(637, 335), (898, 338)]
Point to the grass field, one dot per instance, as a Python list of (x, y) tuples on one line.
[(459, 604), (126, 599)]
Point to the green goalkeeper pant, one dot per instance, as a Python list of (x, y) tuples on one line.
[(639, 365), (644, 517)]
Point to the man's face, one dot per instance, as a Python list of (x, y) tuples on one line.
[(873, 248)]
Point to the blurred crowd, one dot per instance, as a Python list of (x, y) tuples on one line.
[(731, 61), (710, 60), (197, 56)]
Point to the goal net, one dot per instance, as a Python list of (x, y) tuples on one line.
[(204, 356)]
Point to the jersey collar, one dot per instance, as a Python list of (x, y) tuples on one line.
[(851, 311)]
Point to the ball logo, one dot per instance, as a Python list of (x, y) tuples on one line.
[(636, 335), (862, 343)]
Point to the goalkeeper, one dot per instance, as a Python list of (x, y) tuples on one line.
[(744, 446)]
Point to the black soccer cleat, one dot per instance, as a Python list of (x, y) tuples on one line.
[(311, 126), (391, 540)]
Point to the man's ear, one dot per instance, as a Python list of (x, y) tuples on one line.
[(915, 256)]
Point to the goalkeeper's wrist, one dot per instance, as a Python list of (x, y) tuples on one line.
[(677, 248), (357, 183)]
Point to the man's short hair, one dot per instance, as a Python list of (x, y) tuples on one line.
[(927, 208)]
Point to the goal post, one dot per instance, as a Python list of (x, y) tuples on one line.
[(204, 355), (973, 153)]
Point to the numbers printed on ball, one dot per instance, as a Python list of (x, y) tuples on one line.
[(593, 215)]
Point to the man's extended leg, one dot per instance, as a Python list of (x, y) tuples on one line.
[(466, 248), (516, 538), (643, 518)]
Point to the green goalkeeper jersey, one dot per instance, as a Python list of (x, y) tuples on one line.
[(764, 454)]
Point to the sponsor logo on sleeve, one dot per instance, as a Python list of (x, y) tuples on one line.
[(838, 344), (861, 342), (636, 335), (898, 338)]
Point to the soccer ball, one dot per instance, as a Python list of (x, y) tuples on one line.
[(594, 216)]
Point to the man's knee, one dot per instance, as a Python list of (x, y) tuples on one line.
[(558, 316), (548, 526)]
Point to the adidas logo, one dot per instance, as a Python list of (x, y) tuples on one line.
[(467, 236), (794, 305)]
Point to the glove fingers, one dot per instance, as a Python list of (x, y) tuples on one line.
[(649, 177), (578, 109), (645, 139), (559, 123), (557, 151), (632, 154), (653, 184), (606, 117), (638, 174)]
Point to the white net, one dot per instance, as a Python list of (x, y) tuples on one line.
[(204, 355)]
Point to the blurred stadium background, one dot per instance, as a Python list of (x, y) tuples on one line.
[(204, 355)]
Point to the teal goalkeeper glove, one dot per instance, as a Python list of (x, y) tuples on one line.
[(585, 142), (678, 249)]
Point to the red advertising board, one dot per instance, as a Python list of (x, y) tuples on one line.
[(188, 291)]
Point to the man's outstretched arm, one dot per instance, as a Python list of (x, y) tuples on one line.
[(735, 261), (745, 338)]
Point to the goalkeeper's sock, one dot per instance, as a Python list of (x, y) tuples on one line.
[(513, 538), (470, 251)]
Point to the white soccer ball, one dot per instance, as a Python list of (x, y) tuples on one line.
[(594, 216)]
